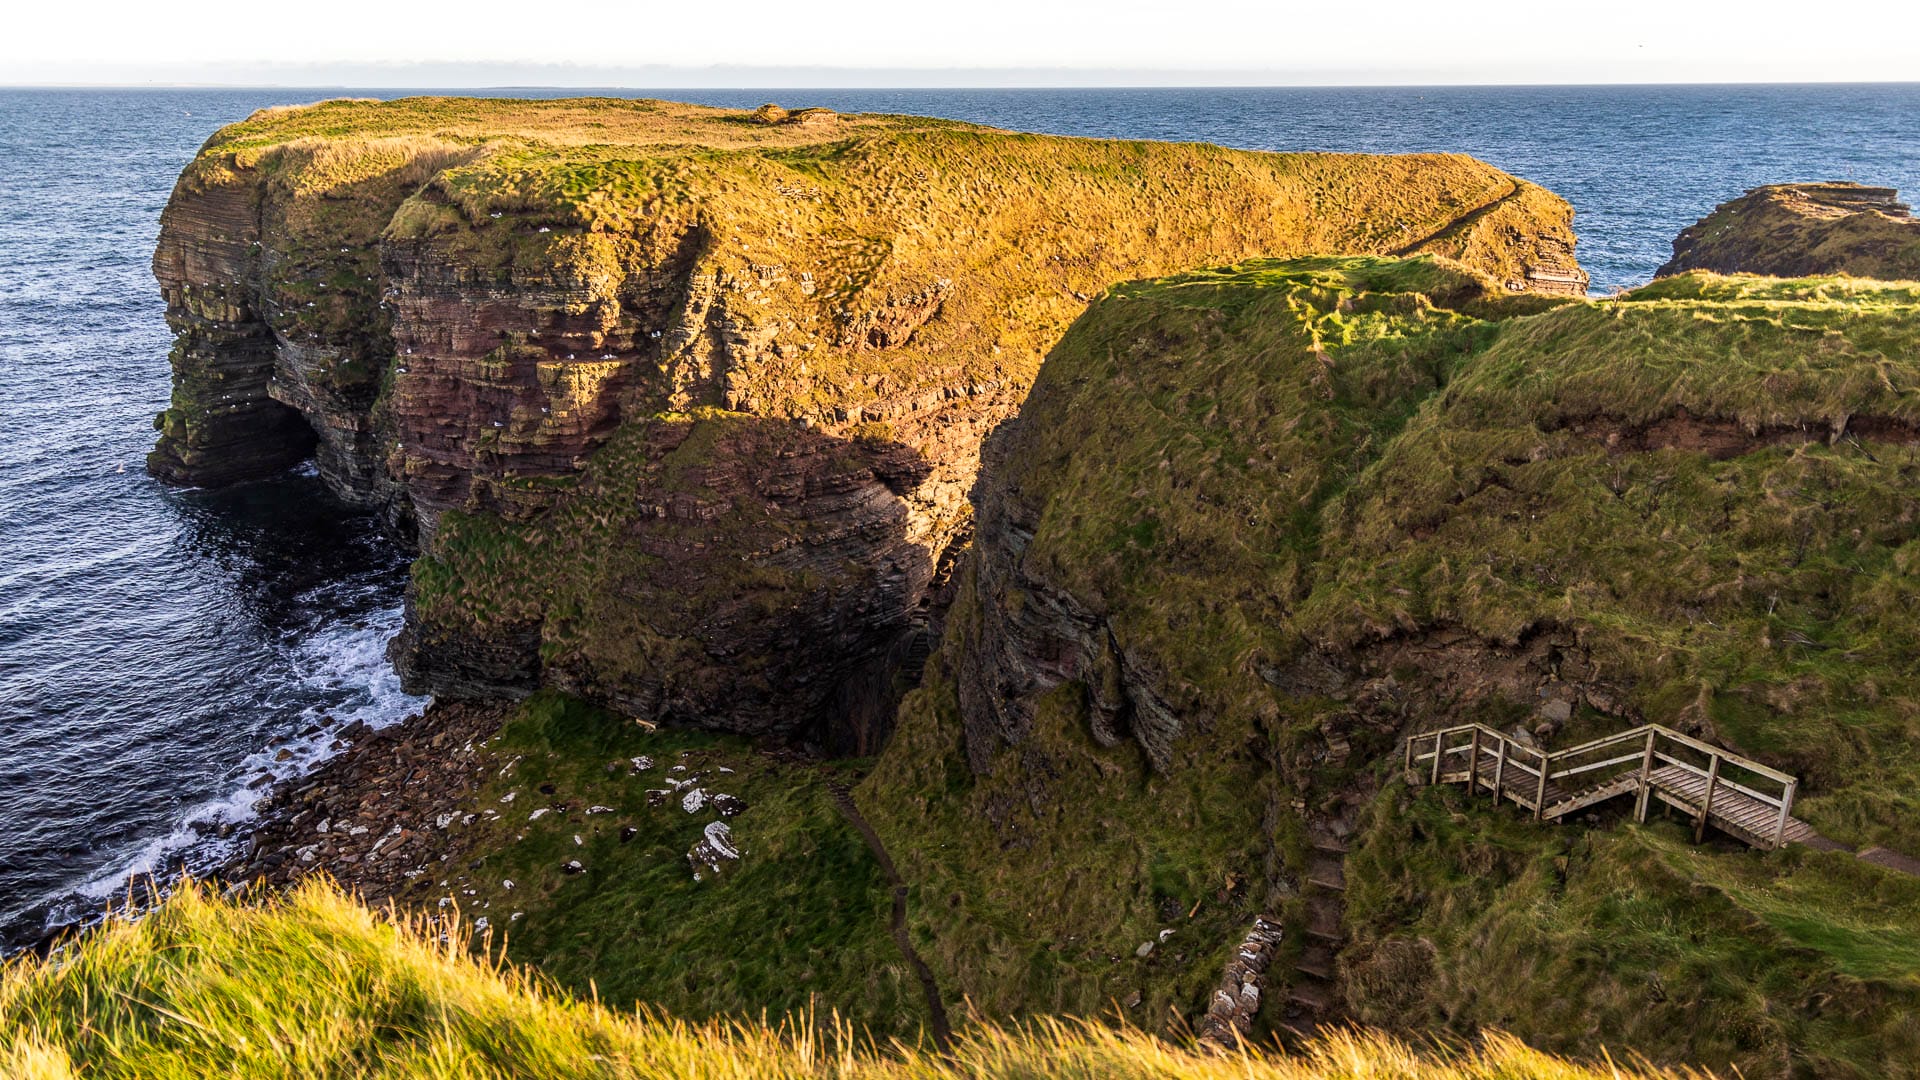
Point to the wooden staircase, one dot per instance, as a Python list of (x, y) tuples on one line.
[(1738, 796)]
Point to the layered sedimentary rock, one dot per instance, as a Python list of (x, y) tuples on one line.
[(1799, 230), (269, 262), (1252, 527), (687, 402)]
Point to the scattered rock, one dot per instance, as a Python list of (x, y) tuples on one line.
[(715, 850)]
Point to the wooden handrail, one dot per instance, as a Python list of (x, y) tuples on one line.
[(1508, 752), (1630, 735)]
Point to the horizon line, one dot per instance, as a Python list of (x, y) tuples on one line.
[(156, 84)]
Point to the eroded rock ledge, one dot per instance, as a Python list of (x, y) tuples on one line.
[(684, 403)]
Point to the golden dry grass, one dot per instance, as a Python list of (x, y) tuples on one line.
[(313, 986)]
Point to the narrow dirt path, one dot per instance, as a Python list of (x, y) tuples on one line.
[(1460, 222), (942, 1032)]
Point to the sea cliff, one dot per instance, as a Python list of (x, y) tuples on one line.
[(682, 404)]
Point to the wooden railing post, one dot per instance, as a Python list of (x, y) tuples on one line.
[(1437, 737), (1786, 813), (1473, 764), (1646, 780), (1409, 753), (1540, 789), (1706, 804), (1499, 771)]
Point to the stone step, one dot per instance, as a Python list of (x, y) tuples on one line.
[(1326, 872)]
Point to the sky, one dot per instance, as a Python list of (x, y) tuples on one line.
[(849, 43)]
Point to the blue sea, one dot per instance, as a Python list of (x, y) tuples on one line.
[(163, 653)]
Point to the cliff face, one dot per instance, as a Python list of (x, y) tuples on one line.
[(268, 260), (1251, 527), (785, 335), (1795, 230)]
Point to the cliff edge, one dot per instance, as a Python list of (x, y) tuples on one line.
[(1796, 230), (685, 403), (1254, 526)]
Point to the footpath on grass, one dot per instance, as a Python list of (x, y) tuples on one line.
[(942, 1031)]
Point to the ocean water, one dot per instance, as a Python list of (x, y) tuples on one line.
[(162, 652)]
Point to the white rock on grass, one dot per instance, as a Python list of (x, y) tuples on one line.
[(694, 800), (714, 851)]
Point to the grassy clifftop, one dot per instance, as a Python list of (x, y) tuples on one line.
[(314, 986), (1254, 525)]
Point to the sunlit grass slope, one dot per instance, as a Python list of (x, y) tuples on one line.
[(315, 986)]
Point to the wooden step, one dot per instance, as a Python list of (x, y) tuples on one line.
[(1495, 764), (1325, 926), (1311, 996), (1317, 960), (1580, 800)]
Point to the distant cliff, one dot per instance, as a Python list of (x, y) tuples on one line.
[(1797, 230), (685, 403)]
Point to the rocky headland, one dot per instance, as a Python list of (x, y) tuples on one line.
[(1797, 230), (684, 404), (717, 426)]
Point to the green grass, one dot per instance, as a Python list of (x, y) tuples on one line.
[(1634, 935), (799, 922), (312, 986), (1380, 498)]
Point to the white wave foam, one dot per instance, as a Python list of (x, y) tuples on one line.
[(347, 665)]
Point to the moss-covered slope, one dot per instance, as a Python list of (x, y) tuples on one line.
[(687, 401), (1252, 526), (1793, 230)]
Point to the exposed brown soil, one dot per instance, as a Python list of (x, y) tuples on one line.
[(1721, 439)]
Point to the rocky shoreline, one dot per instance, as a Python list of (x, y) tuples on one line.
[(381, 813)]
